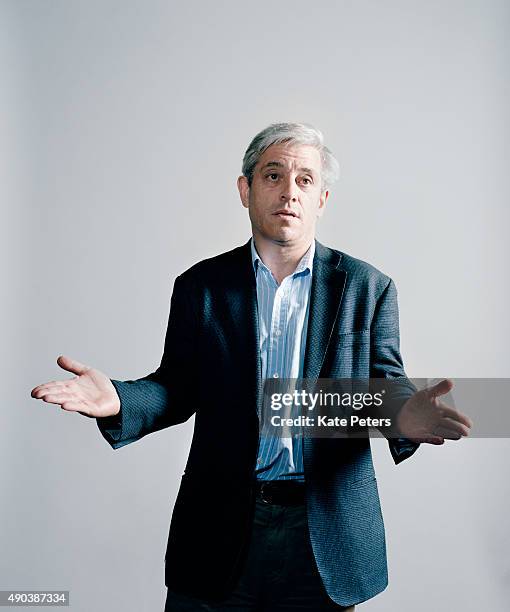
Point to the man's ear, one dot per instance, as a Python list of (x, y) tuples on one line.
[(244, 190), (322, 203)]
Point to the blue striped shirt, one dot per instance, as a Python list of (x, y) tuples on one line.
[(283, 321)]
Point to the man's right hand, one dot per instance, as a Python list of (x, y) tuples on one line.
[(90, 393)]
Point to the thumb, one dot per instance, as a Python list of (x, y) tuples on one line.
[(71, 365), (441, 388)]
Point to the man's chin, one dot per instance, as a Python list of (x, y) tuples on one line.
[(287, 241), (285, 236), (284, 239)]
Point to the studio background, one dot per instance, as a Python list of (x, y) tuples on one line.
[(123, 128)]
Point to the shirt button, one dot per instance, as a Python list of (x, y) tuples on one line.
[(275, 375), (278, 332)]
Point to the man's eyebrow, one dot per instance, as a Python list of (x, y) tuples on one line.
[(272, 164), (307, 171), (277, 164)]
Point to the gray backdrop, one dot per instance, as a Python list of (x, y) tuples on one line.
[(123, 125)]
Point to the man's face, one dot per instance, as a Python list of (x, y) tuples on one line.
[(285, 198)]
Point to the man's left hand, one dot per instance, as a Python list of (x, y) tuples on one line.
[(424, 418)]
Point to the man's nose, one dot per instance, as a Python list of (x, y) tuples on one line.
[(289, 190)]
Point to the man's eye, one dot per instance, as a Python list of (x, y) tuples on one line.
[(272, 176), (306, 180)]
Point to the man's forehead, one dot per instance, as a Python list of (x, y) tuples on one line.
[(284, 155)]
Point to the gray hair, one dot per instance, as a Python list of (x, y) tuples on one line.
[(293, 133)]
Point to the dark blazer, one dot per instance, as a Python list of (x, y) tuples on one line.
[(211, 368)]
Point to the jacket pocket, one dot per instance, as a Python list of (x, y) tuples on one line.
[(362, 334), (363, 482)]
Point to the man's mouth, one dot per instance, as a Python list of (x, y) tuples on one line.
[(286, 213)]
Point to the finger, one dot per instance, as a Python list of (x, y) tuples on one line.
[(71, 365), (454, 415), (427, 439), (52, 383), (49, 387), (454, 426), (448, 434), (437, 440), (441, 388), (44, 390), (56, 398)]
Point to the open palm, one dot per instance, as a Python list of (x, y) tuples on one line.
[(90, 393), (425, 418)]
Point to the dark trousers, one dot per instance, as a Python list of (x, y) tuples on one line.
[(279, 571)]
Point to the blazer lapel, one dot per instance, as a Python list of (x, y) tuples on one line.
[(328, 282), (243, 319)]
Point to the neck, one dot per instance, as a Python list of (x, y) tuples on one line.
[(281, 259)]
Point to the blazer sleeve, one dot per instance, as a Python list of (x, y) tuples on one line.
[(162, 398), (387, 363)]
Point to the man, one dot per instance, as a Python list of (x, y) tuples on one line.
[(266, 523)]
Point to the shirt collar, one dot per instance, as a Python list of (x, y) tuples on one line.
[(305, 263)]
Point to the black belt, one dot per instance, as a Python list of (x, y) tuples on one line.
[(280, 492)]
